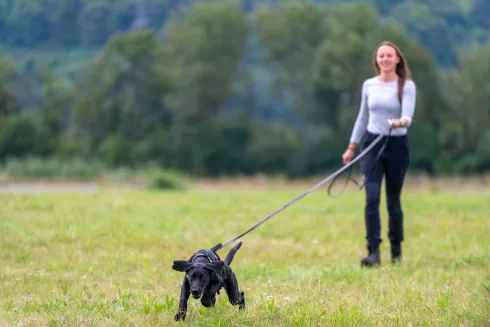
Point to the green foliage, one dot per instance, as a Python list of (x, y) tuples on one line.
[(317, 152), (21, 135), (115, 150), (215, 90), (122, 93), (272, 148), (443, 26), (166, 179), (204, 45), (8, 105), (479, 13), (290, 35), (467, 116)]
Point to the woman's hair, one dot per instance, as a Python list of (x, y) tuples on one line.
[(402, 69)]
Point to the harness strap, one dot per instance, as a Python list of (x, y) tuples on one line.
[(201, 255)]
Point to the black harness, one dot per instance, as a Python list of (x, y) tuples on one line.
[(201, 255)]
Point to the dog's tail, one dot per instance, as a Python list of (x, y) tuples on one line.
[(229, 257)]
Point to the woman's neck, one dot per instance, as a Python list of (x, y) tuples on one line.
[(387, 77)]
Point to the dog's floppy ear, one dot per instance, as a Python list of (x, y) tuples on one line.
[(181, 265), (216, 266)]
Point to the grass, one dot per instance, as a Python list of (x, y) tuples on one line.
[(104, 259)]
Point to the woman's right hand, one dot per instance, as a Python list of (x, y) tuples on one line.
[(348, 155)]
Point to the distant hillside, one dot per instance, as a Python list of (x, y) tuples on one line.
[(443, 26)]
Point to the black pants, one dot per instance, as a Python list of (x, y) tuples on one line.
[(393, 164)]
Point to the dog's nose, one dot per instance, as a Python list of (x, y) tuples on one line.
[(195, 293)]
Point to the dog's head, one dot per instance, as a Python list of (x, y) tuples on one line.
[(198, 274)]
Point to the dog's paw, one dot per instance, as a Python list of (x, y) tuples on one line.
[(180, 315)]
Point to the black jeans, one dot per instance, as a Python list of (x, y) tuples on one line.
[(393, 164)]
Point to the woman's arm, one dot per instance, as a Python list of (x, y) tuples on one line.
[(362, 119), (408, 103)]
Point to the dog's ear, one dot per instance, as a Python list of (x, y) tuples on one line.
[(181, 265), (216, 266)]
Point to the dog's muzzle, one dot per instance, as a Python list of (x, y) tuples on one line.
[(196, 294)]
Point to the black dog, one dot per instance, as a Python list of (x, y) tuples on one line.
[(205, 274)]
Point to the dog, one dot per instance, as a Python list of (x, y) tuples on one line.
[(205, 275)]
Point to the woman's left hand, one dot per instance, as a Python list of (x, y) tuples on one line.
[(397, 123)]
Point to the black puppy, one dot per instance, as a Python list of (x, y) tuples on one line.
[(205, 274)]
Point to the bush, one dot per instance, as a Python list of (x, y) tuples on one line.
[(160, 179), (22, 136)]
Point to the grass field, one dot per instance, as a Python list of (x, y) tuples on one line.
[(104, 259)]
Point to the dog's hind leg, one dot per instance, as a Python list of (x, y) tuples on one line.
[(235, 296), (229, 257), (184, 297)]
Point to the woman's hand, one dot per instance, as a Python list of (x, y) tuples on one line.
[(397, 123), (348, 155)]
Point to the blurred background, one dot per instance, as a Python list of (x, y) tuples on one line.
[(231, 88)]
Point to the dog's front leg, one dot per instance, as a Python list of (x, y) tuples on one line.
[(235, 296), (185, 292)]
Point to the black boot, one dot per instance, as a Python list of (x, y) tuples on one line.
[(373, 258), (396, 252)]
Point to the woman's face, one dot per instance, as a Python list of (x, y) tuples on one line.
[(387, 59)]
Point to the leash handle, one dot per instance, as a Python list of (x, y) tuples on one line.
[(349, 177)]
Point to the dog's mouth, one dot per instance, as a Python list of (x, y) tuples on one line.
[(196, 294)]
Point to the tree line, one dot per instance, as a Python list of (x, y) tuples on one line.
[(440, 25), (220, 89)]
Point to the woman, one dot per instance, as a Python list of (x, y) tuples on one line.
[(390, 95)]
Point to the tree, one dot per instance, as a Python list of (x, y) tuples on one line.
[(8, 103), (344, 62), (290, 35), (468, 97), (429, 29), (202, 50), (479, 13), (123, 92)]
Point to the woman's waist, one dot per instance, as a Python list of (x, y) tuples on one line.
[(379, 129)]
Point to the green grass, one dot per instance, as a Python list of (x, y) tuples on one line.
[(104, 259)]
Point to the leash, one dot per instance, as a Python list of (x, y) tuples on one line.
[(349, 177), (332, 177)]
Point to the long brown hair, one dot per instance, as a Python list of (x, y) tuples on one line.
[(401, 70)]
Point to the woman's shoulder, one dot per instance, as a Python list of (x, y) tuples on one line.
[(409, 86), (369, 82)]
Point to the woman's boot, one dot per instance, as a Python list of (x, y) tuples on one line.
[(396, 252), (373, 258)]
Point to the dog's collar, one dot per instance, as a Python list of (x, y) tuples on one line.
[(202, 255)]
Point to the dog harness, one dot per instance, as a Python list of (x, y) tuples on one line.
[(201, 255)]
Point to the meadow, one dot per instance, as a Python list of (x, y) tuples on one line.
[(104, 258)]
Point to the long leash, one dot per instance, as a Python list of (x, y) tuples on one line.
[(349, 174), (332, 177)]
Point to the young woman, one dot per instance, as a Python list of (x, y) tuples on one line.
[(390, 95)]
